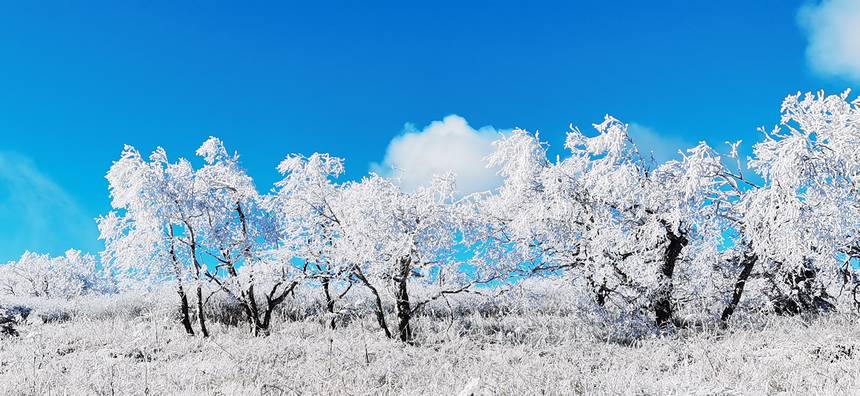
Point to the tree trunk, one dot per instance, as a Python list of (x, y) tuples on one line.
[(183, 298), (272, 302), (380, 311), (600, 291), (256, 326), (404, 308), (747, 263), (267, 317), (184, 310), (329, 301), (663, 297), (201, 316)]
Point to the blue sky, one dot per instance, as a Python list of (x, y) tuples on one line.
[(79, 80)]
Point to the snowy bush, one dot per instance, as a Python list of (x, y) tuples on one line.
[(39, 275)]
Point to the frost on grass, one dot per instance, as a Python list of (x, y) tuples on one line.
[(492, 346)]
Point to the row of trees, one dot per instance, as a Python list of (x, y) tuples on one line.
[(694, 235), (211, 225), (639, 240)]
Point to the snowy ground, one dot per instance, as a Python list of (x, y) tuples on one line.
[(137, 348)]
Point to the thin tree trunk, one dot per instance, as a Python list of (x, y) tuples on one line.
[(201, 316), (272, 302), (184, 310), (404, 314), (255, 312), (600, 291), (747, 264), (380, 312), (267, 317), (183, 298), (329, 301), (404, 308), (256, 323), (663, 298)]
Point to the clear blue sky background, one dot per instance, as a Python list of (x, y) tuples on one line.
[(77, 81)]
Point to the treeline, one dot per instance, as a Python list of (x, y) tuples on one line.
[(694, 238)]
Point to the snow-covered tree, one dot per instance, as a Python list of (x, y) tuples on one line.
[(605, 216), (204, 225), (40, 275), (392, 238), (306, 203), (154, 206), (373, 234), (802, 224), (239, 236)]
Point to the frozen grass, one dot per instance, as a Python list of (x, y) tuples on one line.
[(135, 347)]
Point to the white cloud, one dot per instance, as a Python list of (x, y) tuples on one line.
[(36, 213), (833, 29), (661, 147), (415, 156)]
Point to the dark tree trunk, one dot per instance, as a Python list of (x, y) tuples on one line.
[(380, 311), (272, 302), (663, 310), (747, 263), (600, 291), (404, 308), (260, 321), (184, 310), (265, 324), (256, 326), (329, 301), (201, 316), (183, 298)]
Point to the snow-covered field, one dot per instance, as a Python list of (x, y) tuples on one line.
[(134, 345)]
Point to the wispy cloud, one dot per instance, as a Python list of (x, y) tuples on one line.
[(36, 213), (451, 144), (661, 146), (833, 30)]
